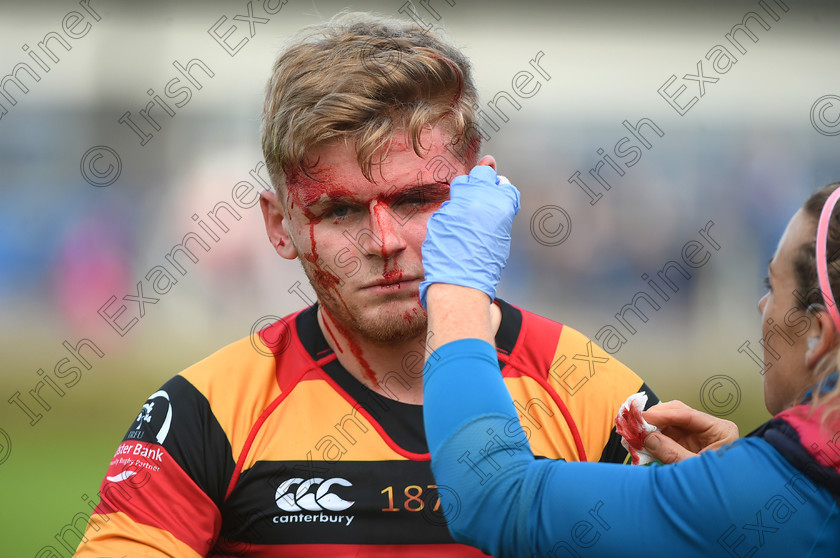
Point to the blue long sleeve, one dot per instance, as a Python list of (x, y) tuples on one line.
[(743, 500)]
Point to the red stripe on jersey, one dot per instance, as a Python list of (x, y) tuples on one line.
[(566, 414), (538, 361), (138, 475), (240, 461), (284, 384), (543, 337)]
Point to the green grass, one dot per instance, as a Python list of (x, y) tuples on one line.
[(45, 477), (64, 456)]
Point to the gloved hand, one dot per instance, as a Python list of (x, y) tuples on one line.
[(468, 238)]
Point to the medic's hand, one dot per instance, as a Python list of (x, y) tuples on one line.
[(468, 238), (685, 432)]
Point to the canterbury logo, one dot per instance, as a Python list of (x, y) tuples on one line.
[(302, 498)]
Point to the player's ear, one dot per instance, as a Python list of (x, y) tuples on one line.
[(277, 225), (822, 337), (489, 161)]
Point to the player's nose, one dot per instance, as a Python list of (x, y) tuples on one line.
[(388, 236)]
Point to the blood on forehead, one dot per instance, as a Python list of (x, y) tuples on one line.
[(307, 190)]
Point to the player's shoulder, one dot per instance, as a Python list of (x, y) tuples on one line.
[(561, 352), (534, 324), (520, 326), (530, 317), (534, 329), (250, 365)]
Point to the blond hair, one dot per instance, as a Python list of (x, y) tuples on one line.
[(360, 78)]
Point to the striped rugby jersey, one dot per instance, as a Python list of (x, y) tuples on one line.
[(269, 447)]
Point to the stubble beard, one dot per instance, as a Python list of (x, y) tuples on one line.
[(382, 325)]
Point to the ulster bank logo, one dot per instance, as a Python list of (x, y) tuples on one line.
[(313, 495)]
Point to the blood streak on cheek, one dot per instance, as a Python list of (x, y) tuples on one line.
[(323, 277), (312, 256), (304, 191)]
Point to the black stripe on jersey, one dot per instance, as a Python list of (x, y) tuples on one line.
[(179, 418), (347, 502), (614, 452), (402, 422), (652, 398), (509, 329)]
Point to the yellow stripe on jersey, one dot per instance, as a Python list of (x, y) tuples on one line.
[(593, 384), (542, 420), (131, 538), (326, 427)]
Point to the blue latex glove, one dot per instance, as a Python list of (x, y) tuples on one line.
[(468, 238)]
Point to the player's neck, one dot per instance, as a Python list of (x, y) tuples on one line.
[(391, 369), (394, 370)]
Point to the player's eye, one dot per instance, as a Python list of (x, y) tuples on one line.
[(339, 212), (413, 200), (423, 199), (767, 284)]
